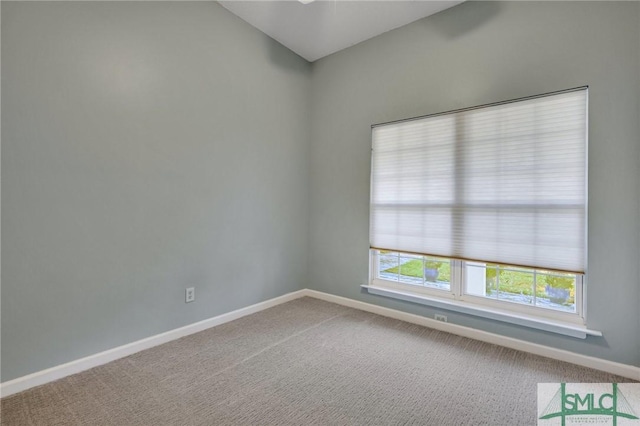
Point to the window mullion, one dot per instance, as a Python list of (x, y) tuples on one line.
[(457, 278), (579, 296)]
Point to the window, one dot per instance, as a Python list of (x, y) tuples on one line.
[(538, 292), (485, 205)]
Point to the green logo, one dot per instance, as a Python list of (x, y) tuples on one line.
[(565, 404)]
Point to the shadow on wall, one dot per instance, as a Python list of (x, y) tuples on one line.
[(286, 59), (467, 17)]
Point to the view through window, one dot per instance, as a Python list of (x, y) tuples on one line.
[(526, 286)]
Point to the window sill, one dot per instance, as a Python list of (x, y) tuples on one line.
[(551, 326)]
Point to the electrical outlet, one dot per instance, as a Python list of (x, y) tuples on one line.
[(439, 317), (190, 295)]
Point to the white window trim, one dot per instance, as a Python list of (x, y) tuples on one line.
[(454, 299)]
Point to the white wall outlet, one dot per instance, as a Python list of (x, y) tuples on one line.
[(190, 295), (439, 317)]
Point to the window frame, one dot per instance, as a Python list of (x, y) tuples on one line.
[(457, 294), (457, 298)]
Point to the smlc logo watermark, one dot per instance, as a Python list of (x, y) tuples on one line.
[(575, 404)]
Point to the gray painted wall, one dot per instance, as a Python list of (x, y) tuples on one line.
[(472, 54), (146, 147)]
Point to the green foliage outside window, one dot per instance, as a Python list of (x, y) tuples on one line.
[(511, 281), (415, 268)]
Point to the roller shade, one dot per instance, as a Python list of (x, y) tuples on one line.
[(503, 183)]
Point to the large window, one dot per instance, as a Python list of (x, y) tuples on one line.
[(485, 205)]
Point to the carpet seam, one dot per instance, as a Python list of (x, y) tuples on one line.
[(273, 345)]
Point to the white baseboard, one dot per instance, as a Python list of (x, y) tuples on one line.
[(54, 373), (624, 370)]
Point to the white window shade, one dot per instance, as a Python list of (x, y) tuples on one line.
[(504, 183)]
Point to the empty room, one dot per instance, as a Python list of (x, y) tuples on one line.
[(320, 212)]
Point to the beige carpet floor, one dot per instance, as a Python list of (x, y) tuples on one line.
[(304, 362)]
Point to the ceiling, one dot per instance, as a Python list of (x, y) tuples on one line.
[(324, 27)]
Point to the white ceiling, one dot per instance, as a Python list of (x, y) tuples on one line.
[(323, 27)]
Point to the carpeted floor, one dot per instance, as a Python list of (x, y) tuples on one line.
[(304, 362)]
